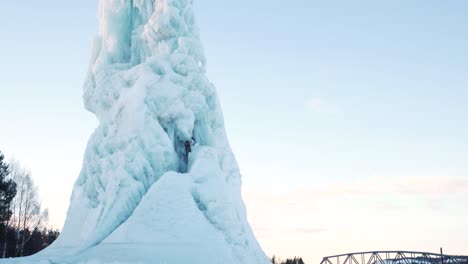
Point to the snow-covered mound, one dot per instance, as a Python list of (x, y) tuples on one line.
[(159, 182)]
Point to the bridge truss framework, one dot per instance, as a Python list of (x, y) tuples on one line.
[(394, 257)]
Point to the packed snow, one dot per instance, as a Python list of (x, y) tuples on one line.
[(159, 182)]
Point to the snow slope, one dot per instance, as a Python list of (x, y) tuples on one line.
[(139, 198)]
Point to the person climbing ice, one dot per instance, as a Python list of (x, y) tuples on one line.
[(188, 147)]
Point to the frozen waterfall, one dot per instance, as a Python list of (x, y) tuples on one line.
[(159, 182)]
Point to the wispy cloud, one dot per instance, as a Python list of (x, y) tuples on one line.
[(270, 210), (418, 185), (320, 105), (264, 231), (310, 230)]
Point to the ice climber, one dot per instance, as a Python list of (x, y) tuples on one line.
[(188, 149)]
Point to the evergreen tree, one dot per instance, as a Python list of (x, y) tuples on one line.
[(51, 236), (35, 243), (7, 192), (296, 260), (273, 260)]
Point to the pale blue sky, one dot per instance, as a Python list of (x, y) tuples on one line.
[(323, 101)]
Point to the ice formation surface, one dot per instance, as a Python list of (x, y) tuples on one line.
[(159, 182)]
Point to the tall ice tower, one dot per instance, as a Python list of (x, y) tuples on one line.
[(159, 182)]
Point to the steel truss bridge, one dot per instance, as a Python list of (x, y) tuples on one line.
[(394, 257)]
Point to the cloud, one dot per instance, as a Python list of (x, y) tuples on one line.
[(417, 185), (307, 211), (310, 230), (320, 105), (431, 187), (266, 230)]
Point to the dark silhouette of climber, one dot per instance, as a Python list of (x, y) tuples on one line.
[(188, 148)]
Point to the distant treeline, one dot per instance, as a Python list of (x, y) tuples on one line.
[(23, 222), (38, 240), (295, 260)]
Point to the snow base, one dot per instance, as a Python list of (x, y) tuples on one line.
[(167, 227)]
